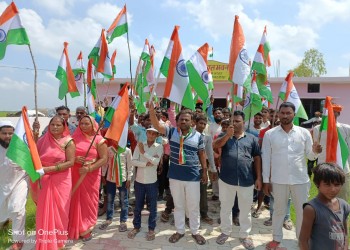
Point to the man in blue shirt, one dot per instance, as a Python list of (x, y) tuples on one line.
[(239, 151)]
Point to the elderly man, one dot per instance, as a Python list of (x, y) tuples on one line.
[(79, 113), (13, 189)]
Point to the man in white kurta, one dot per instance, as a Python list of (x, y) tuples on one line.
[(13, 188)]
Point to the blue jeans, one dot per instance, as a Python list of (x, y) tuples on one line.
[(123, 200), (150, 192), (272, 200)]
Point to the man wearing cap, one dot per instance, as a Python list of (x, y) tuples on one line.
[(146, 158), (13, 189), (344, 130)]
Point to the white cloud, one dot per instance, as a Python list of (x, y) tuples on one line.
[(7, 83), (61, 7)]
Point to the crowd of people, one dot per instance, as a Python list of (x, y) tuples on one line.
[(173, 155)]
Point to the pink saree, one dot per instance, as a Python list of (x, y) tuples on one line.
[(53, 199), (85, 189)]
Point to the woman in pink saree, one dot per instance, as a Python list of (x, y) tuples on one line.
[(57, 152), (86, 176)]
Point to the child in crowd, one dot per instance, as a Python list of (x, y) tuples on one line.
[(324, 219)]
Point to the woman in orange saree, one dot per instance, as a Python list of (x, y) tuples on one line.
[(57, 151), (86, 176)]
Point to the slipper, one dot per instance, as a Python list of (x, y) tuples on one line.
[(208, 220), (221, 239), (247, 243), (123, 227), (256, 214), (105, 224), (164, 216), (151, 235), (274, 245), (133, 233), (86, 237), (288, 224), (268, 222), (199, 239), (175, 237)]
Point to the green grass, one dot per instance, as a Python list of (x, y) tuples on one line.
[(3, 113), (5, 238)]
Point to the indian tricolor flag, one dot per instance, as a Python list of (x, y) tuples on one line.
[(79, 71), (118, 115), (177, 87), (262, 56), (336, 151), (114, 69), (198, 72), (11, 29), (119, 26), (65, 74), (22, 149), (239, 65), (253, 102), (100, 56), (91, 78), (288, 93)]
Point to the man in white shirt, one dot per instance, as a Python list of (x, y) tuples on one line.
[(284, 152), (146, 158), (13, 189)]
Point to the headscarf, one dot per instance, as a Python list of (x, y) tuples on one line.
[(80, 134), (337, 108)]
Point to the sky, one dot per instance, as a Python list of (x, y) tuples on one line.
[(293, 27)]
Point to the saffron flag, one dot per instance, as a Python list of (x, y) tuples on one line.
[(118, 115), (22, 149), (253, 102), (11, 29), (65, 74), (100, 56), (336, 150), (239, 65), (91, 81), (198, 72), (177, 87), (288, 93), (119, 26), (79, 71)]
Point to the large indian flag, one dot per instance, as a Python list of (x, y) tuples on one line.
[(11, 29), (177, 87), (119, 26), (288, 93), (198, 72), (65, 74), (22, 149)]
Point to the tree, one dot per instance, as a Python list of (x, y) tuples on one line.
[(312, 65)]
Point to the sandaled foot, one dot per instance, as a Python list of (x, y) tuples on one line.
[(86, 237), (256, 213), (208, 220), (288, 224), (151, 235), (133, 233), (175, 237), (247, 243), (105, 224), (123, 227), (199, 239), (273, 245), (164, 216), (268, 222), (221, 239)]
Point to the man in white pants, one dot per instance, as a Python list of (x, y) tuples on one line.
[(284, 152), (13, 189)]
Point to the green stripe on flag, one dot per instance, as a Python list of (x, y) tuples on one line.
[(164, 68), (343, 149), (61, 74), (118, 31), (13, 36), (196, 82)]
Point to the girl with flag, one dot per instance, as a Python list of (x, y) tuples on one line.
[(91, 154), (57, 153)]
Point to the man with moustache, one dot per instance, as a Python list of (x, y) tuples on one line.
[(284, 152), (13, 189)]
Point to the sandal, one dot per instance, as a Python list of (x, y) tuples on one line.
[(221, 239), (268, 222), (288, 224), (86, 237), (164, 216), (256, 213), (133, 233), (247, 243), (151, 235), (105, 224), (273, 245), (175, 237), (123, 227), (208, 220), (199, 239), (16, 246)]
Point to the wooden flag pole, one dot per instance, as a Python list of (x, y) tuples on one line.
[(127, 39), (84, 84), (35, 84)]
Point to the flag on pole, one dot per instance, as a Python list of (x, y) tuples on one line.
[(114, 69), (118, 115), (177, 87), (65, 74), (336, 150), (211, 52), (79, 71), (91, 81), (198, 72), (266, 102), (239, 65), (253, 102), (11, 29), (100, 56), (119, 26), (22, 149), (288, 93)]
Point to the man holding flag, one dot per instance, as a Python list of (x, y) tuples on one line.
[(13, 188)]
